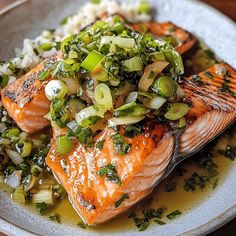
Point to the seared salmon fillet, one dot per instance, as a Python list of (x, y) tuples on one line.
[(26, 102), (185, 40), (88, 174)]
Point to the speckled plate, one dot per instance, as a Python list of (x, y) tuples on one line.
[(29, 18)]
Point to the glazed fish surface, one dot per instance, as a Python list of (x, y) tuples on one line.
[(102, 183), (122, 113)]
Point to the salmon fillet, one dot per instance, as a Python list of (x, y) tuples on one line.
[(152, 155), (26, 102), (186, 39)]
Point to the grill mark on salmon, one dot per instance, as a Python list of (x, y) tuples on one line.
[(185, 38), (26, 102), (151, 158)]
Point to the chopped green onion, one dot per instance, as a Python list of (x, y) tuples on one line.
[(55, 89), (125, 120), (24, 148), (133, 64), (110, 172), (95, 1), (176, 111), (44, 195), (93, 59), (102, 96), (12, 134), (36, 170), (43, 75), (88, 112), (64, 144), (164, 86), (100, 144), (73, 55), (59, 191), (158, 56), (154, 103), (81, 223), (19, 195), (45, 46), (130, 109), (132, 97), (127, 43)]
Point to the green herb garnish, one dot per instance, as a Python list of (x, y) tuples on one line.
[(55, 217), (100, 144), (42, 207), (121, 146), (123, 197), (173, 214), (81, 225), (110, 172), (159, 222)]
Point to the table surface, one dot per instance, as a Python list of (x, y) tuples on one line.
[(228, 7)]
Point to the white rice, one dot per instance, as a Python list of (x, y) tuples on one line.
[(27, 58)]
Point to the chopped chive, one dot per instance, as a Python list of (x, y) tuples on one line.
[(173, 214), (123, 197), (81, 225), (55, 217), (159, 222)]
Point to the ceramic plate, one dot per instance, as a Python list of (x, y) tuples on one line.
[(30, 17)]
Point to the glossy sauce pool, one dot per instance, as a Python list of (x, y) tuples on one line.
[(177, 200)]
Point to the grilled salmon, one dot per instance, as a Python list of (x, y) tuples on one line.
[(26, 102), (101, 183), (184, 40)]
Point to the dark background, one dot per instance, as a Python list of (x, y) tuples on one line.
[(228, 7)]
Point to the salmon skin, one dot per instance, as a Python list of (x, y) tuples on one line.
[(184, 39), (98, 197)]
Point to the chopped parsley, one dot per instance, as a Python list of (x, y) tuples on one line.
[(110, 172), (195, 181), (81, 225), (160, 222), (123, 197), (173, 214), (100, 144), (132, 130), (197, 79), (42, 207), (55, 217), (120, 145)]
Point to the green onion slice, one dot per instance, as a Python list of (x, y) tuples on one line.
[(64, 144), (133, 64), (164, 86), (127, 43), (176, 111), (126, 120), (55, 89), (130, 109), (102, 96), (93, 59)]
